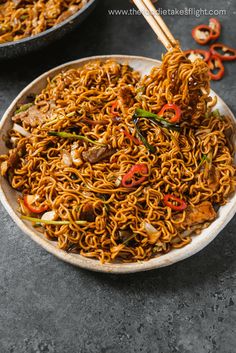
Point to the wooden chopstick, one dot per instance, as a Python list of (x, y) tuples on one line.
[(156, 22), (160, 21)]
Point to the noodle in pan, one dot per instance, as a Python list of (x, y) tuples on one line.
[(25, 18), (122, 168)]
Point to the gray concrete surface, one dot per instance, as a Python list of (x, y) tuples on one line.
[(47, 306)]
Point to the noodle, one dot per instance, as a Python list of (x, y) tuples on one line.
[(98, 101), (25, 18), (181, 82)]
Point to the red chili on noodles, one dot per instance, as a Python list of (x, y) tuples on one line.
[(168, 108), (136, 176)]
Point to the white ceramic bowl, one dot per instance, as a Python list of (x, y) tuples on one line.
[(8, 196)]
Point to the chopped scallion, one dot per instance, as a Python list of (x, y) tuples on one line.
[(23, 108), (44, 221), (68, 135)]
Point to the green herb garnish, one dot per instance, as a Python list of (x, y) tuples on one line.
[(156, 119), (203, 159), (23, 108), (208, 159), (152, 149), (216, 114), (67, 135), (43, 221)]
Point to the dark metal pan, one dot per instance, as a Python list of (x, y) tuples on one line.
[(28, 44)]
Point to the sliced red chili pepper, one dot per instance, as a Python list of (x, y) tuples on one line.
[(216, 64), (171, 107), (202, 54), (215, 25), (113, 109), (29, 202), (132, 138), (136, 176), (224, 52), (202, 34), (167, 201)]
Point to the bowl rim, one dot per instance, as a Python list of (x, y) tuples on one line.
[(49, 30), (93, 264)]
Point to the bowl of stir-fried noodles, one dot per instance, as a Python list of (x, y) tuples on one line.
[(120, 164), (29, 25)]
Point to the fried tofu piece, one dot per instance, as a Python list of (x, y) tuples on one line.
[(201, 213)]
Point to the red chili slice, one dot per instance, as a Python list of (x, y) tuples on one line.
[(171, 107), (136, 176), (226, 53), (204, 54), (113, 109), (132, 138), (215, 25), (202, 34), (216, 64), (29, 202), (167, 201)]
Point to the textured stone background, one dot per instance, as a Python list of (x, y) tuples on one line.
[(47, 306)]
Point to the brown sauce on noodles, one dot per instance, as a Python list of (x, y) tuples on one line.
[(98, 100)]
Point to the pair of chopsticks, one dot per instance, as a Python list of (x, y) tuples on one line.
[(154, 19)]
